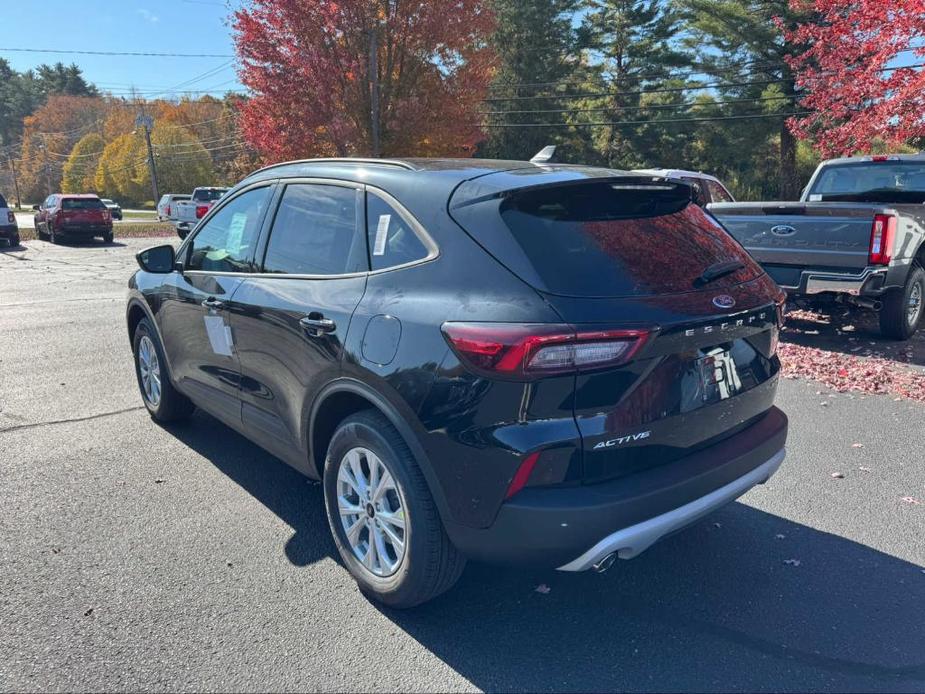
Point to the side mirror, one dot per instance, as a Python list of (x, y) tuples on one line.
[(36, 208), (157, 259)]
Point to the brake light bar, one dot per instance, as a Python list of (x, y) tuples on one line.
[(532, 350), (882, 235)]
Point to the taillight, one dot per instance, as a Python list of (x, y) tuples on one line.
[(522, 475), (10, 217), (201, 211), (531, 350), (882, 235), (168, 210)]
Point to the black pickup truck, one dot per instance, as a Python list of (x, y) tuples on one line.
[(857, 236)]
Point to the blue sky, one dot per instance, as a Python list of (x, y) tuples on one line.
[(159, 26)]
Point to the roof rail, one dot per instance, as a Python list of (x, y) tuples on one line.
[(342, 160)]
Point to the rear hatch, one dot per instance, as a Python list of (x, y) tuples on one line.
[(78, 212), (635, 254), (788, 238)]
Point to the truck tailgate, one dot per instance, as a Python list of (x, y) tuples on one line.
[(832, 236)]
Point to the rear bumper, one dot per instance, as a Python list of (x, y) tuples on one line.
[(84, 230), (572, 528), (812, 282)]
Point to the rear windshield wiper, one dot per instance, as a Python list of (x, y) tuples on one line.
[(714, 272)]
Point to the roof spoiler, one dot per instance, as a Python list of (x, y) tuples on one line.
[(545, 155)]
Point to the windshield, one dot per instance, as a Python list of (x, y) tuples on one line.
[(881, 176), (81, 204), (208, 195)]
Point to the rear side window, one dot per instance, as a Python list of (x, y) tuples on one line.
[(227, 240), (392, 241), (617, 239), (718, 193), (2, 201), (82, 204), (316, 232)]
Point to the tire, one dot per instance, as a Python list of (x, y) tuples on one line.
[(429, 564), (52, 236), (898, 320), (107, 238), (169, 405), (43, 236)]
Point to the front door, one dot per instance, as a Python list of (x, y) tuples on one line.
[(199, 343), (291, 320)]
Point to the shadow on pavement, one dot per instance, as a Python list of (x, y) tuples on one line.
[(743, 601)]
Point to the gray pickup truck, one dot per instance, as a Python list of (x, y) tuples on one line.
[(857, 237)]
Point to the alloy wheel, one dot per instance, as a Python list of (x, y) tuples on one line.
[(371, 506), (914, 307), (150, 369)]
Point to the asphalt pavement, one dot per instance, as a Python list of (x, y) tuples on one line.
[(138, 557)]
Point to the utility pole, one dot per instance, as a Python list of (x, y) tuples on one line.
[(15, 180), (374, 88), (147, 122), (45, 166)]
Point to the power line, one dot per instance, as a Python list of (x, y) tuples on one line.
[(644, 122), (143, 54)]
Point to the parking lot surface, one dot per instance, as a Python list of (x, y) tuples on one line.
[(134, 556)]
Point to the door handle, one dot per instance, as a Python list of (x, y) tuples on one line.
[(316, 325), (213, 304)]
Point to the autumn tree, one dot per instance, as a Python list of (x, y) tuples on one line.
[(370, 77), (80, 167), (849, 66)]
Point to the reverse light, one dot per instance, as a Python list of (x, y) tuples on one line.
[(532, 350), (882, 235), (201, 211)]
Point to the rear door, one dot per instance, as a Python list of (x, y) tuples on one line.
[(197, 303), (291, 319), (83, 212)]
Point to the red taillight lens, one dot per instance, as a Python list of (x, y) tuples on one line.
[(882, 235), (201, 211), (522, 475), (532, 350)]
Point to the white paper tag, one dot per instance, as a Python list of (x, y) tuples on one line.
[(815, 197), (236, 232), (382, 230), (219, 335)]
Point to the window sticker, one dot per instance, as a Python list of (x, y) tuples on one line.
[(815, 197), (382, 230), (236, 232)]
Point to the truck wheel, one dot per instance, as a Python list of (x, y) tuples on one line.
[(52, 236), (38, 232), (107, 238), (382, 515), (902, 309)]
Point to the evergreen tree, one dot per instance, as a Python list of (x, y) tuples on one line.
[(535, 44)]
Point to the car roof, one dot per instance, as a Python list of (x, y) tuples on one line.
[(423, 176), (70, 196), (917, 157)]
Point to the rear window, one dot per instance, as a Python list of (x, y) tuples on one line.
[(898, 176), (619, 239), (207, 195), (82, 204)]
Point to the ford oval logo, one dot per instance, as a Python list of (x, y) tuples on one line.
[(783, 230), (724, 301)]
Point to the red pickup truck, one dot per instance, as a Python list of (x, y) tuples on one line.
[(66, 215)]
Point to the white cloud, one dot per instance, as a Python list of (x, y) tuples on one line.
[(149, 16)]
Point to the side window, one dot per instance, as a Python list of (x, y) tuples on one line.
[(228, 239), (315, 232), (700, 195), (392, 241), (718, 193)]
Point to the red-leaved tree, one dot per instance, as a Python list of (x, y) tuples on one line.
[(363, 77), (849, 70)]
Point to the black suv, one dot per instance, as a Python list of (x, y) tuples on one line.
[(504, 361)]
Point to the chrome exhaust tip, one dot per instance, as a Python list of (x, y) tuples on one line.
[(605, 563)]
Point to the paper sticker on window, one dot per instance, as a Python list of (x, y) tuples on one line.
[(815, 197), (236, 232), (382, 231)]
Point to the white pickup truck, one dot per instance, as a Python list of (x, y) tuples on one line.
[(189, 212)]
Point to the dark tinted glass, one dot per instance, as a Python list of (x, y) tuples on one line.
[(208, 195), (82, 204), (2, 201), (857, 178), (228, 239), (606, 239), (315, 232), (392, 241)]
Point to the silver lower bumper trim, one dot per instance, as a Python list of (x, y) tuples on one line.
[(631, 541)]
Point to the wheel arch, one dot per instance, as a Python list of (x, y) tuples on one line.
[(135, 310), (343, 397)]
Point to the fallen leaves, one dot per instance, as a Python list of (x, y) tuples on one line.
[(845, 372), (838, 475), (910, 500)]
